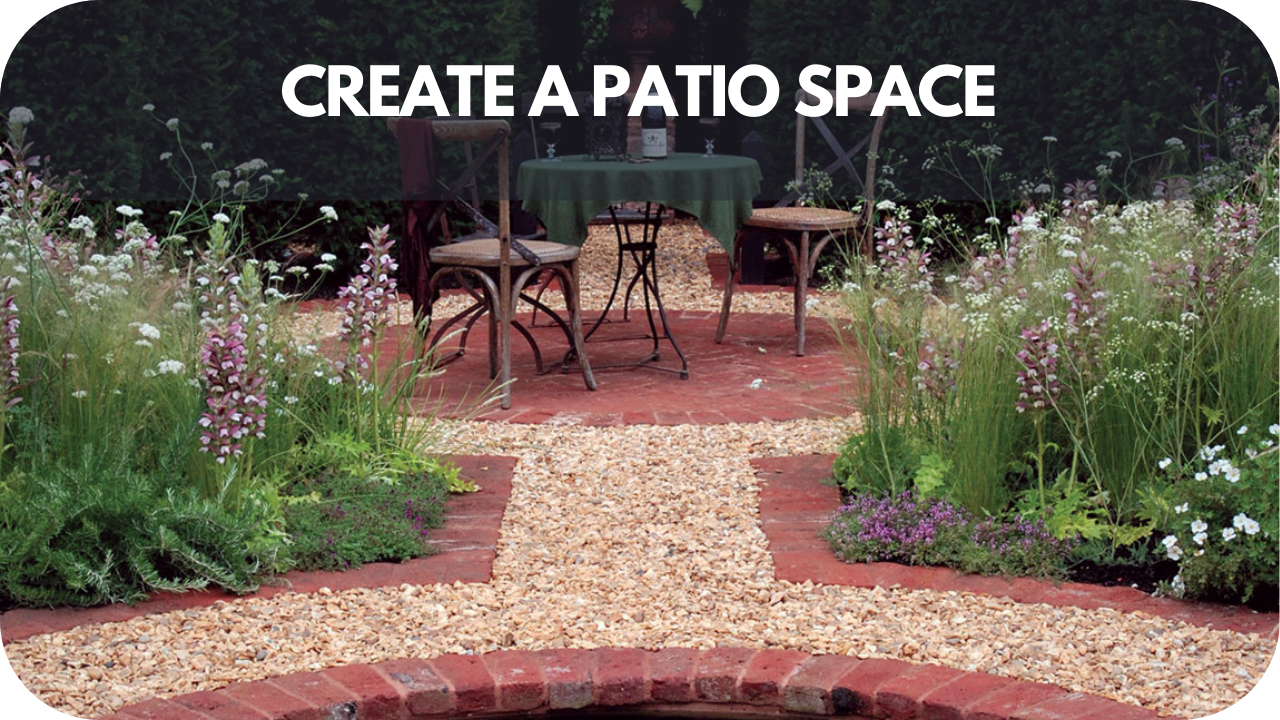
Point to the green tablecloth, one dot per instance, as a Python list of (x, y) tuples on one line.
[(567, 194)]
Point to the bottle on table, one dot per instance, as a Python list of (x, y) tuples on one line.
[(653, 130)]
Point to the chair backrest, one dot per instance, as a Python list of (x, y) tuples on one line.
[(495, 136), (864, 103)]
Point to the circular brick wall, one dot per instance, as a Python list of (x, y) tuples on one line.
[(726, 682)]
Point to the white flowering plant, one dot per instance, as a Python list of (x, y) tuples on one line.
[(155, 402), (1223, 529), (1074, 361)]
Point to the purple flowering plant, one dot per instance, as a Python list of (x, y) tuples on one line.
[(912, 530)]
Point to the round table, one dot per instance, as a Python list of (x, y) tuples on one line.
[(569, 192)]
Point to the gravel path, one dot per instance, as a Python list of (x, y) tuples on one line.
[(640, 536)]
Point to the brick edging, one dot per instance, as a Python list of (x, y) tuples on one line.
[(797, 498), (723, 681), (467, 543)]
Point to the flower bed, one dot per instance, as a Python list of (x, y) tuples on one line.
[(159, 427), (1106, 372)]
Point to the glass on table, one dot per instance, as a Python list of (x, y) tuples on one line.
[(709, 128), (550, 136)]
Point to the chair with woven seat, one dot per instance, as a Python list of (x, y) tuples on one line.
[(500, 266), (796, 226)]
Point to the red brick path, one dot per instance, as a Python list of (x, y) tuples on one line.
[(720, 682), (797, 498), (466, 541)]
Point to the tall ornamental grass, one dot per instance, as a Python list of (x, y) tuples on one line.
[(1071, 359)]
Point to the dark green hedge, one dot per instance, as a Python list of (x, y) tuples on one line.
[(217, 65), (1098, 74)]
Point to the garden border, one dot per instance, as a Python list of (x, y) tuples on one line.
[(467, 542), (797, 498), (723, 682)]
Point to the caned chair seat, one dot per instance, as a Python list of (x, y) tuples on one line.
[(805, 231), (485, 265), (483, 252), (799, 219)]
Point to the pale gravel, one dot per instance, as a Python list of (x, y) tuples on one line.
[(640, 536)]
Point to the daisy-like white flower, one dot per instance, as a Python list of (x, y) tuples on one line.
[(1200, 476), (1200, 537), (1199, 526), (1228, 534), (1274, 429)]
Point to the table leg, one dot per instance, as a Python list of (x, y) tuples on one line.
[(644, 256)]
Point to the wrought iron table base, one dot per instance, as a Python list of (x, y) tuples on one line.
[(644, 255)]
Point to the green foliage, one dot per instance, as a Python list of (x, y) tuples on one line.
[(87, 68), (882, 459), (930, 479), (1124, 82), (340, 520), (72, 539)]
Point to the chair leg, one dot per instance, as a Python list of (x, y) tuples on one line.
[(574, 304), (802, 290), (735, 260)]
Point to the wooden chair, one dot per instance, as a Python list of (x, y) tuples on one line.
[(490, 256), (796, 226)]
